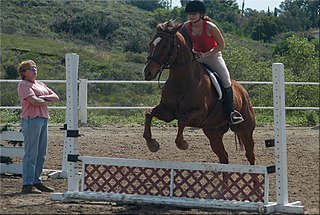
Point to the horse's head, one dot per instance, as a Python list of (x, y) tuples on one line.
[(163, 49)]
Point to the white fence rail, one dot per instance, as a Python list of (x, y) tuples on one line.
[(83, 95)]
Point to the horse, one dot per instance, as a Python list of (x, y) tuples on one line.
[(189, 97)]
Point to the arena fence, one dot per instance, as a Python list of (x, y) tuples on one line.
[(12, 155), (223, 186), (83, 95)]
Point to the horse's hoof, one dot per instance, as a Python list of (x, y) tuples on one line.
[(183, 146), (153, 145)]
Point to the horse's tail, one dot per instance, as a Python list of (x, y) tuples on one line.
[(238, 140)]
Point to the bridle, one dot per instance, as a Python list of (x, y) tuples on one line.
[(165, 64)]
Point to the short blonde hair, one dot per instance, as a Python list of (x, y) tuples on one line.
[(24, 66)]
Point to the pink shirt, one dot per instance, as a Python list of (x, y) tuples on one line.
[(26, 89)]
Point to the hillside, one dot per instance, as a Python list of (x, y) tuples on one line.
[(93, 30), (103, 23), (112, 41), (101, 31)]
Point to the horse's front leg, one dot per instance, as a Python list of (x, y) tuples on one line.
[(152, 144), (180, 142), (161, 113)]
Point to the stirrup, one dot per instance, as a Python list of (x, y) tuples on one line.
[(236, 117)]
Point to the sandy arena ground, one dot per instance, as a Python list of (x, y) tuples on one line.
[(127, 142)]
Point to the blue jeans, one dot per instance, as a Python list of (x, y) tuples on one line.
[(35, 133)]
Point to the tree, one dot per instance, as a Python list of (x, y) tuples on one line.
[(269, 12), (264, 28), (86, 25), (300, 15), (150, 5), (299, 56), (301, 64), (226, 12), (10, 72), (275, 12)]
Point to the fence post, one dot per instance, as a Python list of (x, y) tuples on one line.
[(280, 133), (72, 63), (83, 101)]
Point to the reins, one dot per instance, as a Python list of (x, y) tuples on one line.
[(168, 66), (165, 64)]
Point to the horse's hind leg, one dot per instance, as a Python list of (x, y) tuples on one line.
[(215, 136), (246, 139), (161, 113)]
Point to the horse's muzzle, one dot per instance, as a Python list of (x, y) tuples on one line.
[(147, 75), (150, 71)]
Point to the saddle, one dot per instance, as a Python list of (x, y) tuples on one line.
[(215, 80)]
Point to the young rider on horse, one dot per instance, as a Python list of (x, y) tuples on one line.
[(207, 44)]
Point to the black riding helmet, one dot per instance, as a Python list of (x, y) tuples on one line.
[(195, 6)]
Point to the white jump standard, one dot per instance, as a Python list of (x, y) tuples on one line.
[(188, 184)]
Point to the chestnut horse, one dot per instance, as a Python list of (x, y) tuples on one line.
[(189, 96)]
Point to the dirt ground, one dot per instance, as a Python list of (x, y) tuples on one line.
[(127, 142)]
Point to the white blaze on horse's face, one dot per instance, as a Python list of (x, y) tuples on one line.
[(156, 41)]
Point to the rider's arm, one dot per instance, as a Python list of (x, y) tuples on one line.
[(214, 31)]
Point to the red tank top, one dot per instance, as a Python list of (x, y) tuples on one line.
[(203, 42)]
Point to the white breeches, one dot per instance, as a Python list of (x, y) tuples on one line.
[(217, 64)]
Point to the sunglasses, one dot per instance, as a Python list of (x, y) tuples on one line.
[(32, 68)]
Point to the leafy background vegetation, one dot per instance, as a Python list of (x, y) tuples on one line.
[(111, 38)]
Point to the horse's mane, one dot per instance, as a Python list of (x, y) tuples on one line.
[(171, 27), (168, 26)]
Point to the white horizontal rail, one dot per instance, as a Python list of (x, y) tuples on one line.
[(11, 168), (151, 82), (11, 135), (145, 107), (17, 81), (12, 151), (173, 165)]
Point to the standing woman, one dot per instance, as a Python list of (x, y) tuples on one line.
[(208, 43), (34, 97)]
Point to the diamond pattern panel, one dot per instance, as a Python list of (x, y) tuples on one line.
[(127, 180), (200, 184), (219, 185)]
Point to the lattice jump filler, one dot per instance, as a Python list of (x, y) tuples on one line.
[(222, 186), (178, 183)]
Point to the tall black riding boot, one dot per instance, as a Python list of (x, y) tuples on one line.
[(233, 116)]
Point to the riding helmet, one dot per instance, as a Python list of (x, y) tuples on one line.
[(195, 6)]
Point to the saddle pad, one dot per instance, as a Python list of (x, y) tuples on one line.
[(215, 83)]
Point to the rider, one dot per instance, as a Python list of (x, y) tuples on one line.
[(207, 44)]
